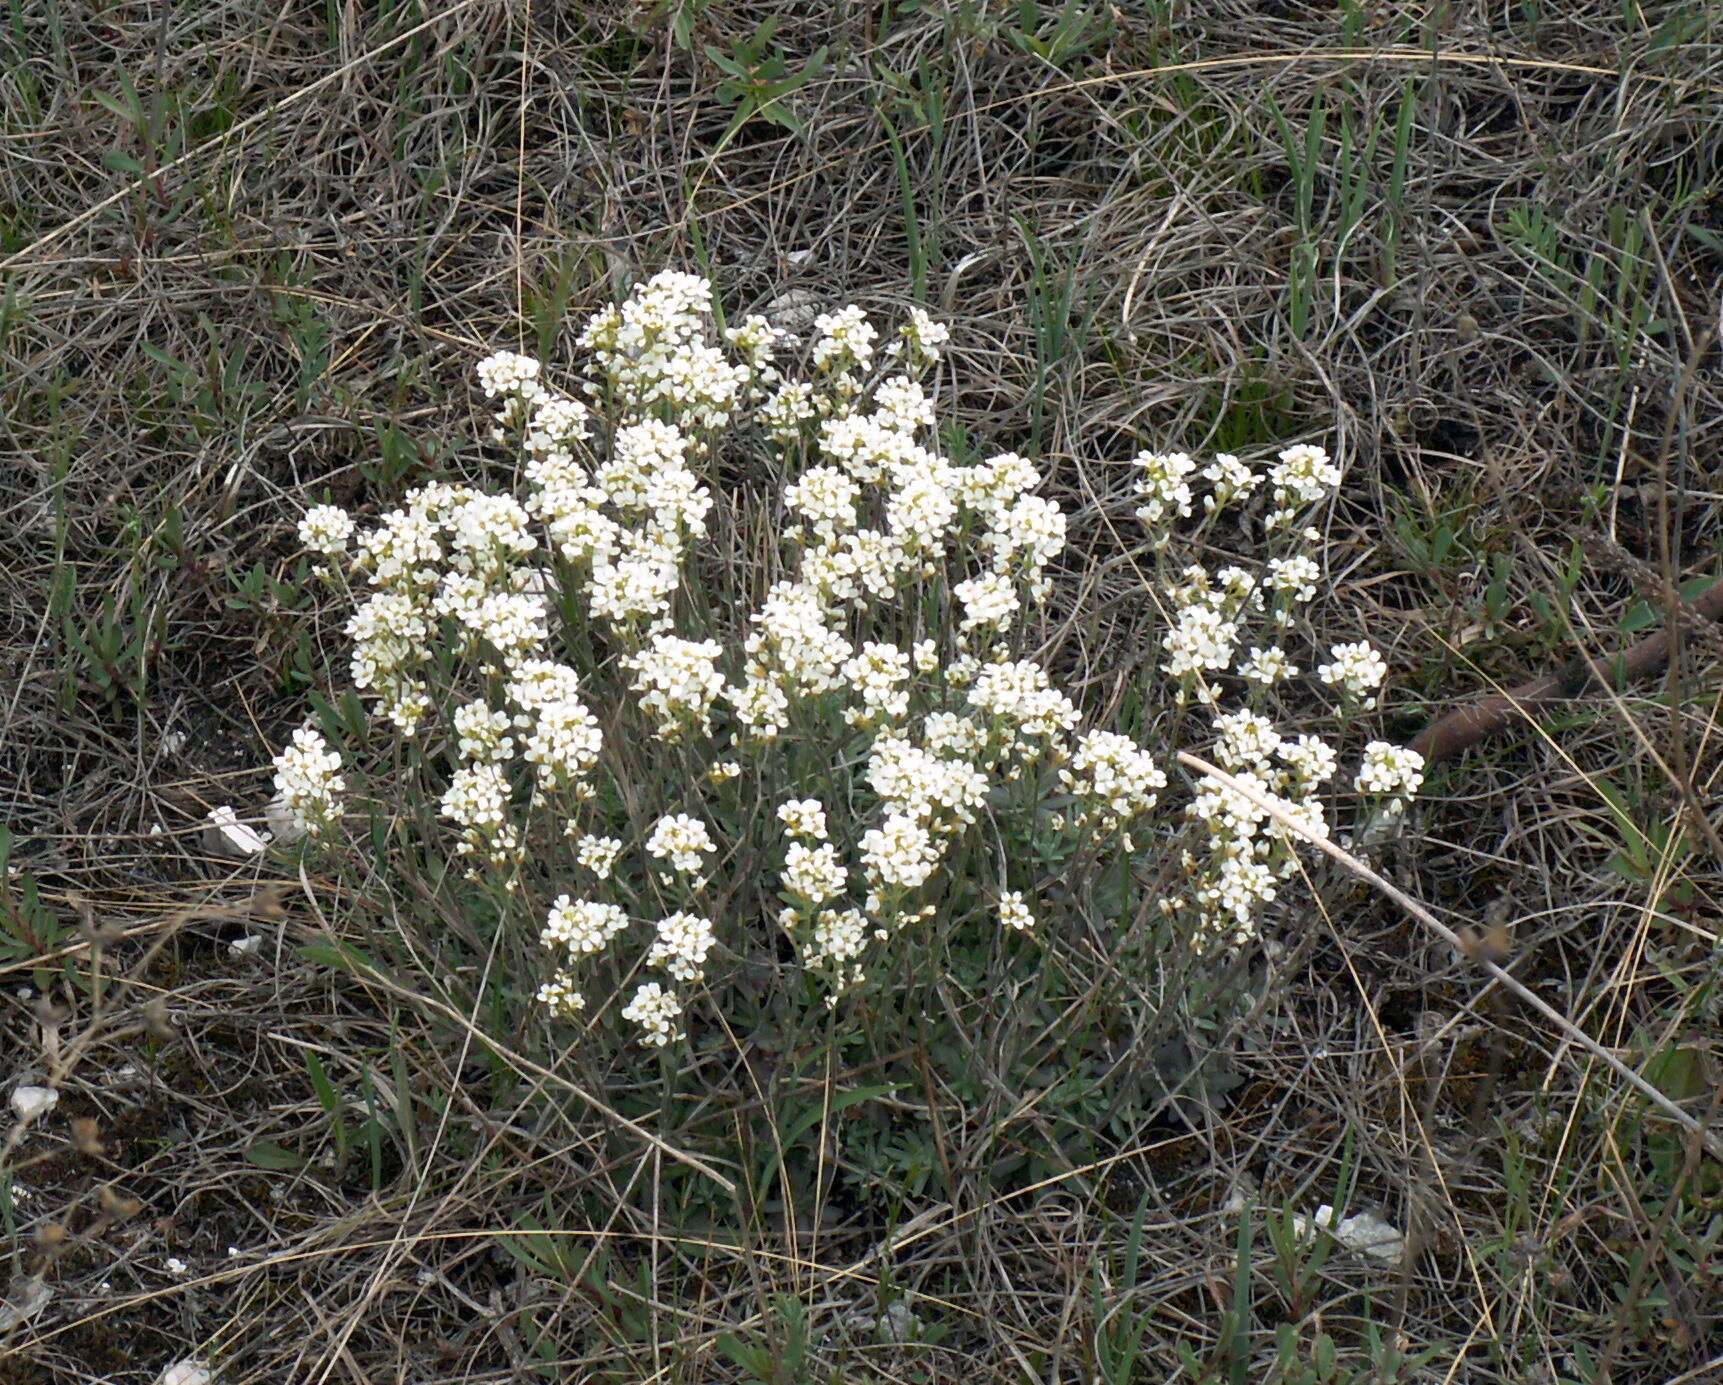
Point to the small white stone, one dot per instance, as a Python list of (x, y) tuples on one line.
[(244, 947), (1366, 1233), (30, 1102), (190, 1371), (794, 311), (227, 836)]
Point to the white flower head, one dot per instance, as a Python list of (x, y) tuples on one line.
[(814, 872), (845, 339), (326, 529), (1014, 913), (1164, 485), (598, 854), (925, 338), (1267, 666), (683, 941), (804, 818), (582, 926), (1357, 671), (683, 839), (657, 1012), (1393, 770), (308, 779)]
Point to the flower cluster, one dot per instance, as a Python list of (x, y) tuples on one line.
[(1356, 670), (657, 1012), (1114, 780), (1303, 475), (1391, 770), (308, 780), (1164, 484), (527, 603), (683, 839), (1214, 615)]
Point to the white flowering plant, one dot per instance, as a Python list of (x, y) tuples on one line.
[(687, 735)]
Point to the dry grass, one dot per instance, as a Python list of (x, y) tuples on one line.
[(236, 242)]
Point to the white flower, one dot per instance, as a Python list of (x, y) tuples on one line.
[(561, 996), (1247, 740), (756, 340), (1295, 576), (989, 601), (582, 926), (804, 818), (1014, 913), (794, 640), (921, 785), (785, 414), (1231, 479), (1311, 759), (683, 941), (635, 588), (1117, 777), (1032, 526), (925, 338), (826, 497), (482, 732), (993, 486), (1202, 639), (683, 839), (1303, 474), (846, 339), (878, 674), (511, 623), (538, 683), (1021, 692), (476, 801), (951, 736), (307, 780), (814, 873), (899, 852), (678, 681), (557, 423), (1357, 670), (902, 405), (656, 1011), (578, 528), (563, 740), (488, 532), (1267, 666), (1390, 769), (598, 854), (839, 938), (922, 508), (504, 372), (761, 706), (1164, 484), (326, 530)]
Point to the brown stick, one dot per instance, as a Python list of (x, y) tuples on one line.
[(1466, 726)]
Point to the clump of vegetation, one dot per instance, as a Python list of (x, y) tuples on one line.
[(683, 726)]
